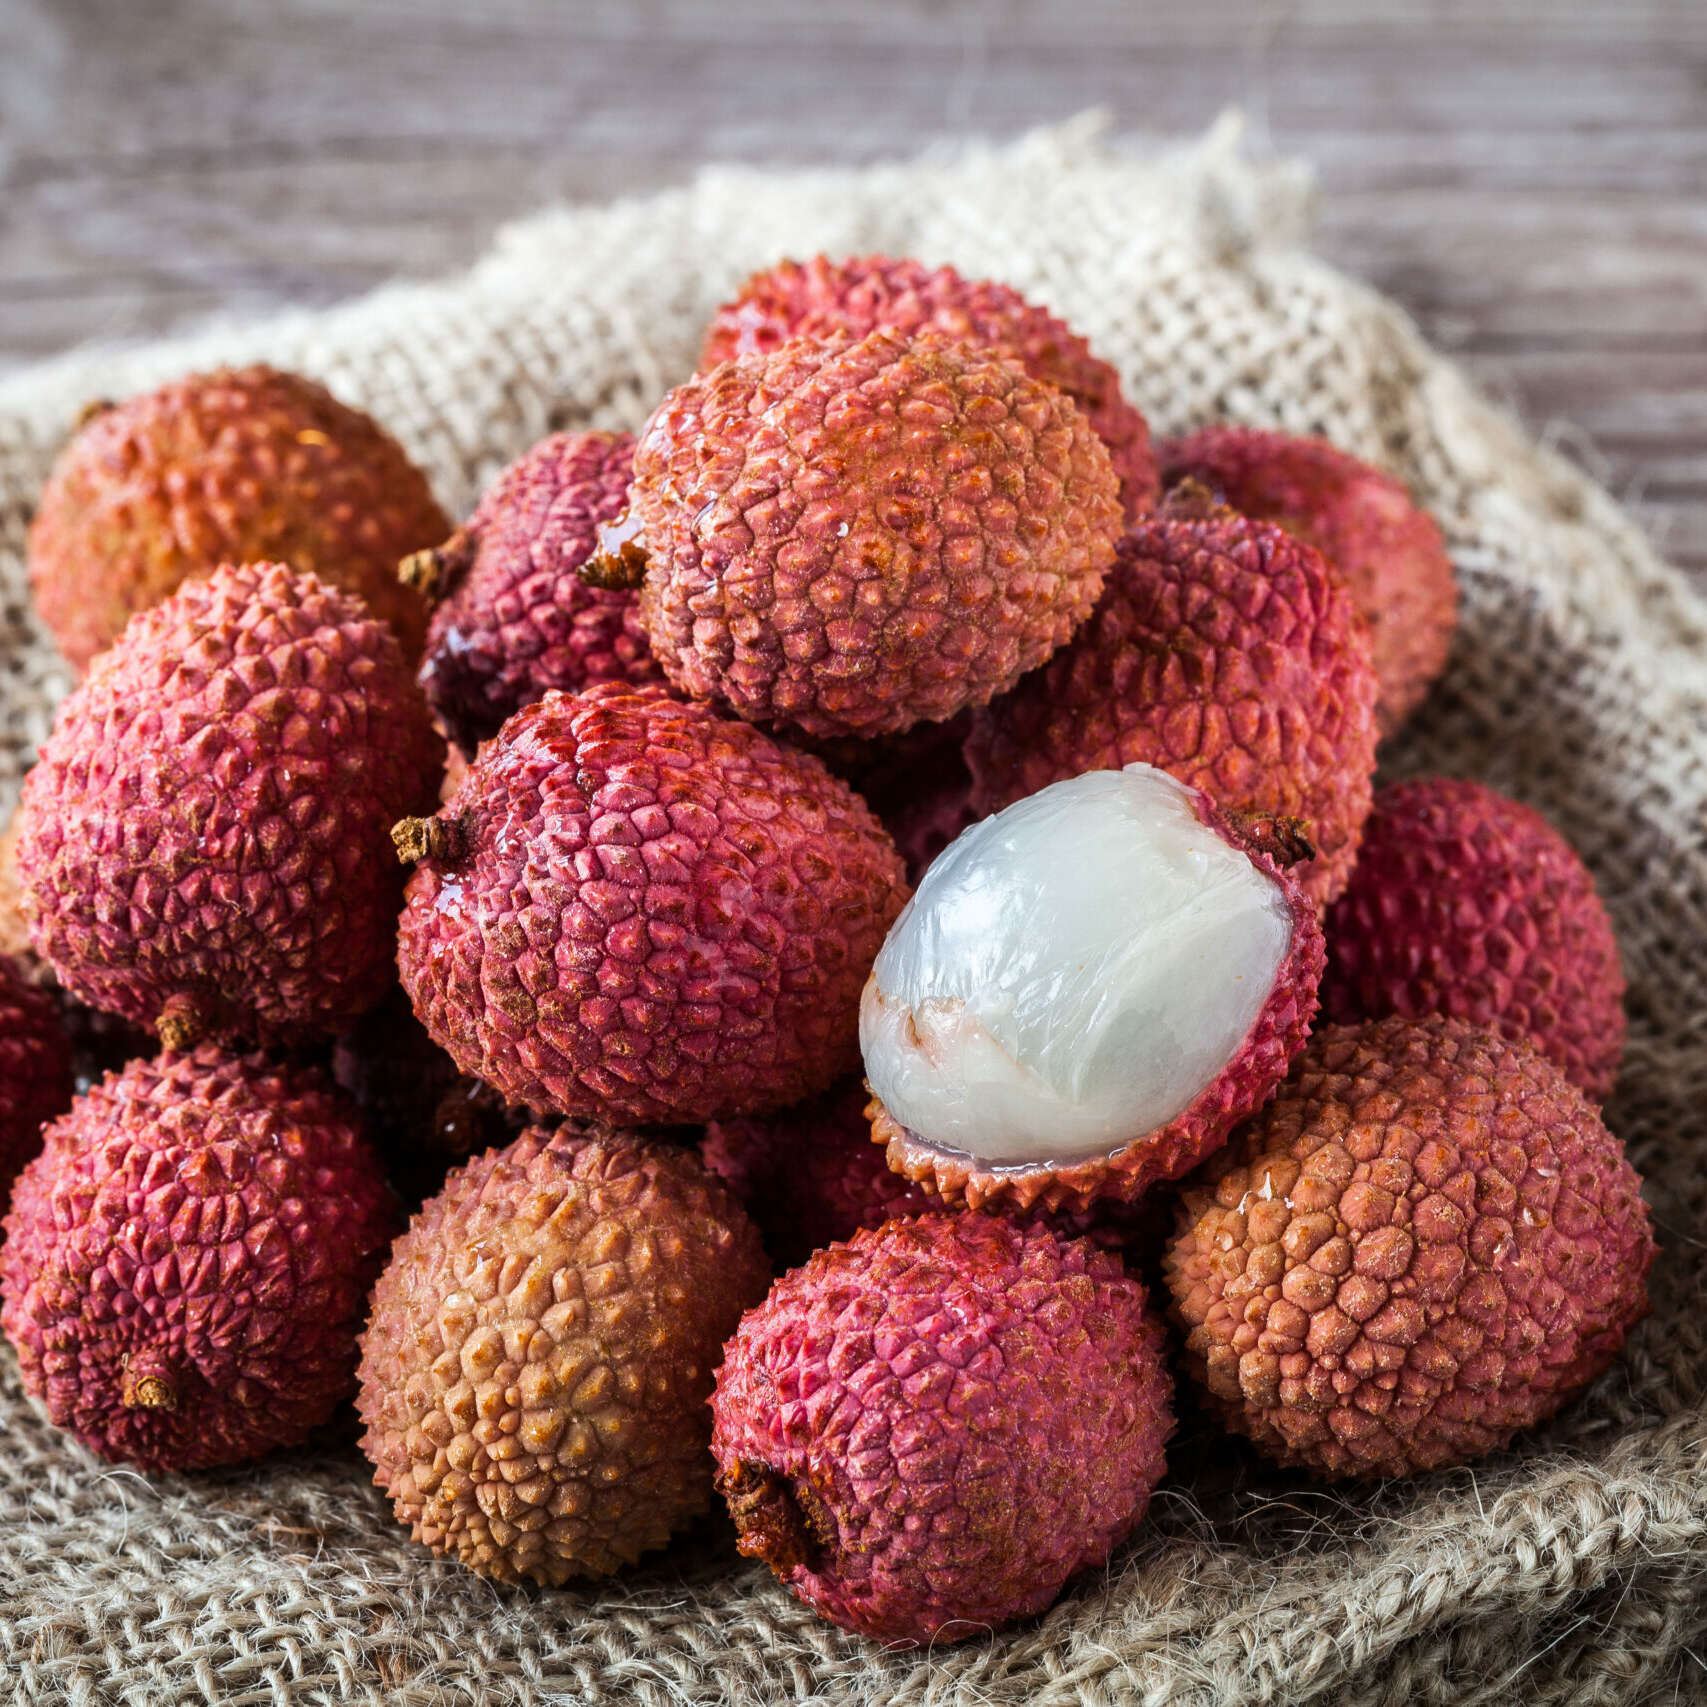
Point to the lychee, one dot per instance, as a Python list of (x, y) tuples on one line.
[(514, 619), (1224, 651), (536, 1367), (633, 909), (1425, 1243), (927, 1431), (35, 1069), (858, 296), (1466, 903), (186, 1262), (1087, 992), (1367, 526), (847, 538), (236, 466), (203, 845)]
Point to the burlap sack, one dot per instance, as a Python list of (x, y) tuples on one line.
[(1570, 1569)]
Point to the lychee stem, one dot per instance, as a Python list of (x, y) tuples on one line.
[(94, 407), (432, 573), (618, 560), (1191, 500), (1284, 840), (152, 1391), (182, 1023), (443, 840), (774, 1521)]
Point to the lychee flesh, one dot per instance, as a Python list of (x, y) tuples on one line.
[(927, 1431), (635, 910), (860, 295), (236, 466), (1469, 904), (1367, 526), (1224, 651), (1085, 993), (204, 844), (186, 1262), (1425, 1243), (536, 1367), (35, 1069), (516, 619), (848, 538)]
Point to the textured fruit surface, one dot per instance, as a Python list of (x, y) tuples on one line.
[(35, 1069), (187, 1261), (1469, 904), (243, 466), (1086, 993), (926, 1431), (1364, 522), (1224, 651), (642, 911), (204, 844), (852, 537), (1426, 1242), (14, 927), (518, 620), (858, 296), (535, 1371)]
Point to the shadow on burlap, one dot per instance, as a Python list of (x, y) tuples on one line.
[(1571, 1569)]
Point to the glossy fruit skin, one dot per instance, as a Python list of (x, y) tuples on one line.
[(847, 538), (1469, 904), (536, 1367), (35, 1069), (818, 297), (654, 914), (1425, 1243), (1226, 653), (244, 465), (207, 1225), (206, 836), (928, 1430), (1124, 1175), (1367, 526), (518, 620)]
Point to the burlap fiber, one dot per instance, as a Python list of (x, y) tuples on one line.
[(1572, 1569)]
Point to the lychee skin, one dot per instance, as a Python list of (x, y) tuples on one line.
[(648, 913), (1425, 1243), (535, 1371), (926, 1431), (186, 1262), (204, 843), (848, 538), (519, 620), (1224, 652), (1367, 526), (1468, 904), (857, 296), (35, 1069), (236, 466)]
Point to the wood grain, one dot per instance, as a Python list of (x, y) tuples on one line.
[(1528, 177)]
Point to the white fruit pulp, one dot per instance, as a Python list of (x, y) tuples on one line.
[(1072, 973)]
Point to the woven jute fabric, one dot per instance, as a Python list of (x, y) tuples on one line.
[(1571, 1569)]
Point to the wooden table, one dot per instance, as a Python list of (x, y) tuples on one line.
[(1529, 177)]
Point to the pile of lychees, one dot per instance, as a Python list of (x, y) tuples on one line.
[(894, 592)]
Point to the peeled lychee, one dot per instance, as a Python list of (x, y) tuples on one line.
[(927, 1431), (535, 1371), (848, 538), (204, 844), (1223, 650), (35, 1069), (1367, 526), (1466, 903), (1087, 992), (633, 909), (515, 618), (243, 466), (186, 1262), (858, 296), (1425, 1243)]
